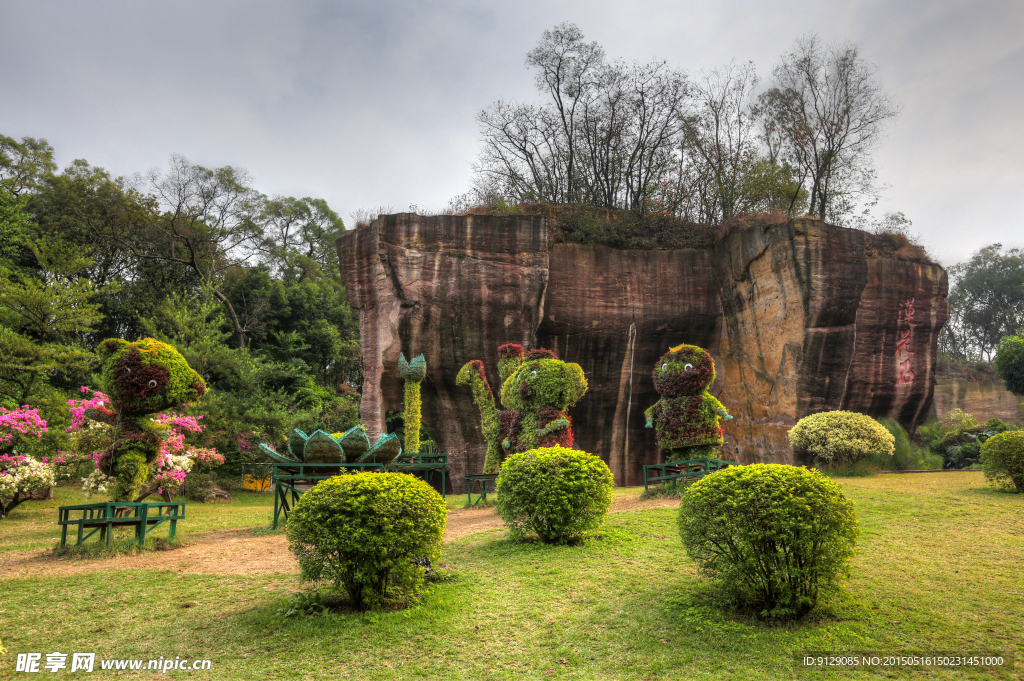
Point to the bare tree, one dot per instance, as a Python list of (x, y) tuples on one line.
[(824, 115), (605, 137)]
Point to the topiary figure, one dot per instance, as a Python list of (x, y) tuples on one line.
[(368, 533), (140, 378), (687, 416), (536, 389), (842, 437), (556, 492), (1002, 455), (776, 536), (412, 373)]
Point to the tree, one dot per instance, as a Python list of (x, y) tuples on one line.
[(42, 317), (986, 303), (1010, 362), (605, 138), (23, 163), (824, 115), (208, 224)]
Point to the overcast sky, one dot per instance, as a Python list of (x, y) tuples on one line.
[(372, 103)]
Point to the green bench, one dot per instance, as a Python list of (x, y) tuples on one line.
[(486, 481), (423, 466), (683, 471), (105, 516)]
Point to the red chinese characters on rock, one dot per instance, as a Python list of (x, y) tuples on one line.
[(903, 341)]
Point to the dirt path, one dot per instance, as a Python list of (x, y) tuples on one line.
[(239, 552)]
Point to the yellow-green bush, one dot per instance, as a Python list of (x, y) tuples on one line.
[(558, 493), (776, 536), (842, 437), (1002, 456), (364, 531)]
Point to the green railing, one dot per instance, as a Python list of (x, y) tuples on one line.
[(105, 516), (292, 479), (486, 481), (684, 471), (425, 466)]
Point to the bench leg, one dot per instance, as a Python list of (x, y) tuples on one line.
[(174, 526), (79, 535)]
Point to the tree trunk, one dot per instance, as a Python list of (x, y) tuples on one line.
[(234, 317)]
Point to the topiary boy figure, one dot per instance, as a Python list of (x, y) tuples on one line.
[(686, 416), (140, 378), (536, 389)]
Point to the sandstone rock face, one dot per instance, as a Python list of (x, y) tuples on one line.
[(983, 399), (797, 318), (454, 289)]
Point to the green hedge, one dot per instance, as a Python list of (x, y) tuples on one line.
[(1002, 455), (775, 536), (558, 493), (842, 437), (364, 531)]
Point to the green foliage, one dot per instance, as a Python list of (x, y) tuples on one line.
[(362, 533), (905, 454), (472, 374), (841, 437), (776, 537), (1010, 363), (961, 437), (1002, 455), (986, 303), (412, 374), (556, 492)]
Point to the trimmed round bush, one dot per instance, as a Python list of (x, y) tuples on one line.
[(777, 537), (843, 437), (365, 531), (558, 493), (1002, 456)]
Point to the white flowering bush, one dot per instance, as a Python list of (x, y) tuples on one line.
[(96, 483), (843, 437), (20, 476)]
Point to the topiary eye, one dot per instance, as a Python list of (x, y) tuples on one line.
[(688, 367), (664, 367), (533, 374), (152, 383)]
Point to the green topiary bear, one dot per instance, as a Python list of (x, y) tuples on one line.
[(536, 389), (140, 378), (686, 416)]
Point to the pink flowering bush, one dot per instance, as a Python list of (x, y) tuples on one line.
[(20, 421)]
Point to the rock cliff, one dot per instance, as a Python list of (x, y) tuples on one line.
[(798, 318)]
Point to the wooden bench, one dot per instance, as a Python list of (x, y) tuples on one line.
[(685, 471), (486, 481), (105, 516)]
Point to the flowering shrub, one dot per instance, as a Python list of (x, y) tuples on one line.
[(842, 436), (23, 421), (20, 477)]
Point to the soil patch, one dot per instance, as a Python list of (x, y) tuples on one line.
[(239, 552)]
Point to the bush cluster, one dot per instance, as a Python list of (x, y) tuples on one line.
[(842, 437), (364, 532), (556, 492), (777, 537), (1002, 455)]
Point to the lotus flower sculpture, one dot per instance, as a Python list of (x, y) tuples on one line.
[(352, 446)]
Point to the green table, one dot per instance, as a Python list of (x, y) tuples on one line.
[(486, 481)]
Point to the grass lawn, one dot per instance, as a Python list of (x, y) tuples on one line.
[(938, 569)]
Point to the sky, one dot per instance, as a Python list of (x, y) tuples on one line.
[(372, 103)]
